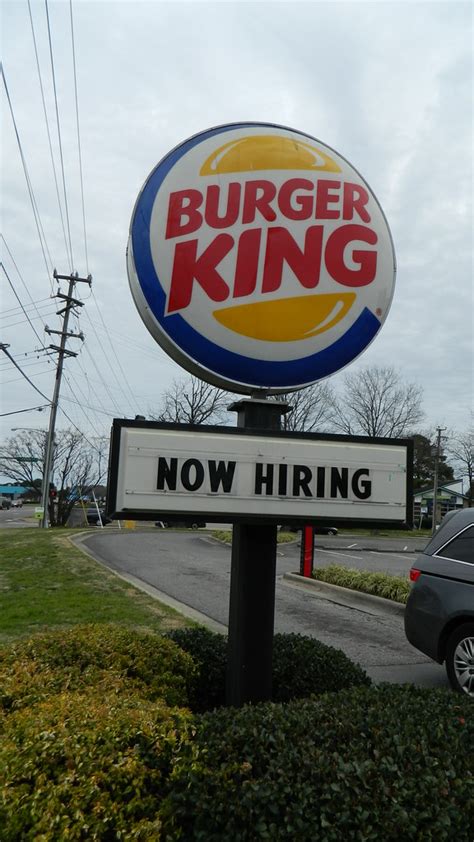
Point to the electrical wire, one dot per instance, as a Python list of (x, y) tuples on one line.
[(33, 318), (85, 405), (96, 397), (36, 214), (59, 136), (134, 400), (11, 312), (21, 304), (47, 130), (5, 366), (3, 348), (31, 409), (78, 137), (114, 373), (106, 387)]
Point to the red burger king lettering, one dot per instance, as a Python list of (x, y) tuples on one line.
[(296, 199), (314, 202)]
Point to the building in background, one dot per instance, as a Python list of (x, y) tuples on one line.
[(450, 496)]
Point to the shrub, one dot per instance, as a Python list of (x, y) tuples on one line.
[(378, 584), (87, 765), (383, 763), (225, 536), (206, 688), (302, 666), (84, 656)]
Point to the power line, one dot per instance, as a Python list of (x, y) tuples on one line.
[(134, 400), (48, 131), (59, 136), (78, 137), (90, 386), (29, 364), (20, 303), (3, 348), (11, 312), (85, 405), (110, 367), (34, 318), (39, 225), (17, 379), (31, 409)]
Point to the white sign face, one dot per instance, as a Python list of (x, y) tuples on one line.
[(259, 258), (229, 476)]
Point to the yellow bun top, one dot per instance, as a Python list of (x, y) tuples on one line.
[(267, 152)]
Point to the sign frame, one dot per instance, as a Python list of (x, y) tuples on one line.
[(120, 424), (197, 350)]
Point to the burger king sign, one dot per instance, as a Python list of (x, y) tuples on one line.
[(259, 258)]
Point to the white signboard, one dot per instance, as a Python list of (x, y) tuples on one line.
[(229, 474)]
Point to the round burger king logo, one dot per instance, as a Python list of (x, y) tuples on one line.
[(259, 258)]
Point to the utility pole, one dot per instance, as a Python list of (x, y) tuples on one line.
[(436, 475), (70, 304)]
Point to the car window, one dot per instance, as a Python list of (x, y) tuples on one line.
[(461, 548)]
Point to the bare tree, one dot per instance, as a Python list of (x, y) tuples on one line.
[(461, 450), (376, 402), (312, 409), (192, 401), (78, 466)]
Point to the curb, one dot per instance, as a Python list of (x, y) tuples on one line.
[(376, 605), (171, 602)]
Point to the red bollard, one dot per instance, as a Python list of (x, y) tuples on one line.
[(307, 551)]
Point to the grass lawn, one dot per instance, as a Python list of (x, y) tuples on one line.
[(46, 581)]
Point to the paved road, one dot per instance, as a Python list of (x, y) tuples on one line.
[(195, 570), (17, 518)]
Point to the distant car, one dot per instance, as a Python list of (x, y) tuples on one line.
[(17, 504), (5, 502), (439, 615), (192, 523), (93, 517), (318, 530)]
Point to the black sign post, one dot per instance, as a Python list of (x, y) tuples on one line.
[(252, 583)]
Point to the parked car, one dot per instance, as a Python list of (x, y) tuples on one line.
[(17, 504), (439, 615), (318, 530), (193, 523), (93, 517), (5, 502)]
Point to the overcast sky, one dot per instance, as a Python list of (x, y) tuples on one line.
[(388, 85)]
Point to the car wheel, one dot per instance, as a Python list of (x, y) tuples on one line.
[(194, 526), (460, 659), (332, 531)]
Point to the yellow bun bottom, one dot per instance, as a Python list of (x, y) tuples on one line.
[(287, 319)]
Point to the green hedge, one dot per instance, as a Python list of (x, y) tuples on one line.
[(92, 655), (388, 763), (91, 750), (302, 666), (87, 765), (378, 584)]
